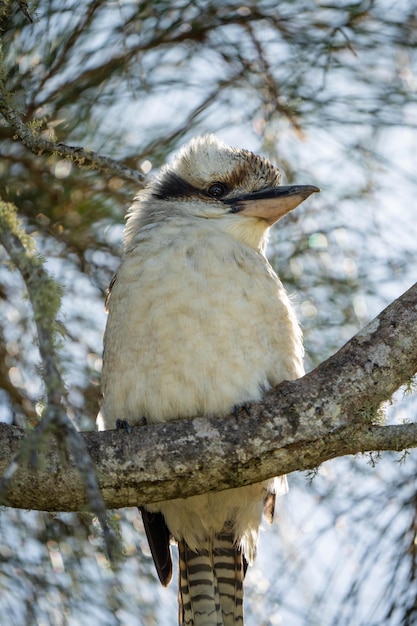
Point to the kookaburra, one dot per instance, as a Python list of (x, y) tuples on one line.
[(200, 324)]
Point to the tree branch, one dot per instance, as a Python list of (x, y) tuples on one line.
[(88, 159), (329, 412), (45, 298)]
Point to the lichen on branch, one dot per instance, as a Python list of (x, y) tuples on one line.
[(45, 297)]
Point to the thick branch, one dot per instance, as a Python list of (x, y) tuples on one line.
[(327, 413)]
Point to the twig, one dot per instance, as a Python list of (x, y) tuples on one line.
[(83, 158)]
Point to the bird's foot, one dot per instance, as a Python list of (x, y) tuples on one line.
[(241, 407), (123, 425)]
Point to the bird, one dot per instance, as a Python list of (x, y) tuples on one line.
[(199, 324)]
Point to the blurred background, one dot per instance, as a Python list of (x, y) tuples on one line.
[(326, 90)]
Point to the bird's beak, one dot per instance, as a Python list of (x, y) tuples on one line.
[(271, 203)]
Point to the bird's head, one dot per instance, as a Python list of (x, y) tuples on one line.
[(237, 190)]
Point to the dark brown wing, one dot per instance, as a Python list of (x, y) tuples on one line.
[(158, 538), (108, 293), (245, 565)]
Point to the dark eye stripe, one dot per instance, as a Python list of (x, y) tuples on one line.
[(173, 186)]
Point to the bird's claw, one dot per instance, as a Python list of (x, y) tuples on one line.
[(241, 407), (123, 425)]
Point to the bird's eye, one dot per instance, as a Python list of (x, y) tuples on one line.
[(217, 190)]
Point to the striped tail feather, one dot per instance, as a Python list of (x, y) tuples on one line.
[(211, 583)]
